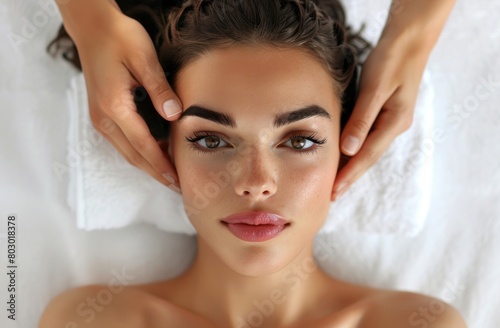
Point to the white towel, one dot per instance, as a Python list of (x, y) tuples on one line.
[(393, 196), (106, 192)]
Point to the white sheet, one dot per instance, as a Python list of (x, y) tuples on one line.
[(454, 258)]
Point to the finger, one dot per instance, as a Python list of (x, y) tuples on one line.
[(123, 112), (112, 132), (366, 110), (120, 142), (386, 128), (139, 147), (147, 70)]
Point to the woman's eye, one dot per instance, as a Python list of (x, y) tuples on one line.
[(211, 142), (299, 143), (207, 142)]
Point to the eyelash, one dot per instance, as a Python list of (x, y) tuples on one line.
[(204, 134)]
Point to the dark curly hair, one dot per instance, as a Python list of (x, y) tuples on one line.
[(183, 30)]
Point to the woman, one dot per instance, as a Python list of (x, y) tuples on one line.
[(389, 82), (264, 87)]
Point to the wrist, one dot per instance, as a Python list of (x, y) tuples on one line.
[(88, 18), (416, 24), (407, 42)]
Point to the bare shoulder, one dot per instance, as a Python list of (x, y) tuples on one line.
[(94, 306), (408, 309)]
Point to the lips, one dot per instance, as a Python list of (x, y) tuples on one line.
[(255, 226)]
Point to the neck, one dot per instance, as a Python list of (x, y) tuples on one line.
[(230, 299)]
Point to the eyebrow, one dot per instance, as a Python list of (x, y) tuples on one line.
[(279, 120)]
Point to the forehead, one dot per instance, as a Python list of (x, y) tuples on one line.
[(255, 79)]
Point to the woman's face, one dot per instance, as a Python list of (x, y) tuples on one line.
[(250, 161)]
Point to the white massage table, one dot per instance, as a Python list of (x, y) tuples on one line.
[(455, 258)]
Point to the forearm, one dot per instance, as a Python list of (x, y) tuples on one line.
[(85, 17), (420, 21)]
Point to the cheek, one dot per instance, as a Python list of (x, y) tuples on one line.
[(200, 190), (313, 185), (312, 178), (305, 187)]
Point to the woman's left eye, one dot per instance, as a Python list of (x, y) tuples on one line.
[(303, 142), (299, 143)]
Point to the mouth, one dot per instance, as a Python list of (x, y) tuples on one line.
[(255, 226)]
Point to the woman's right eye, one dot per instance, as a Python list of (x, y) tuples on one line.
[(211, 142), (207, 142)]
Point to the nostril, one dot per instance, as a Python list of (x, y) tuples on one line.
[(265, 193)]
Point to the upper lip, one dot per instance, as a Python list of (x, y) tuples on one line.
[(255, 218)]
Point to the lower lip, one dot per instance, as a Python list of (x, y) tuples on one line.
[(255, 233)]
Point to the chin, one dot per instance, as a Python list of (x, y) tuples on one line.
[(265, 258), (257, 260)]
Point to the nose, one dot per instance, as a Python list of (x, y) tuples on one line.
[(257, 179)]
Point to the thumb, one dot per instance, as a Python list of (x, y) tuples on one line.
[(151, 76)]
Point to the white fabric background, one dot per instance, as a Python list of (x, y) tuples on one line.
[(454, 258)]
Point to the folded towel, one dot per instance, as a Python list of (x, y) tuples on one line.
[(393, 196), (106, 192)]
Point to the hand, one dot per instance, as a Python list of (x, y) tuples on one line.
[(389, 85), (115, 59)]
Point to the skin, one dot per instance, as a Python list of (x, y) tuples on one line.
[(117, 56), (228, 275)]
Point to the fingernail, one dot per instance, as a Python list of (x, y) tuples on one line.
[(175, 188), (169, 178), (340, 187), (171, 107), (340, 191), (350, 145), (173, 183)]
